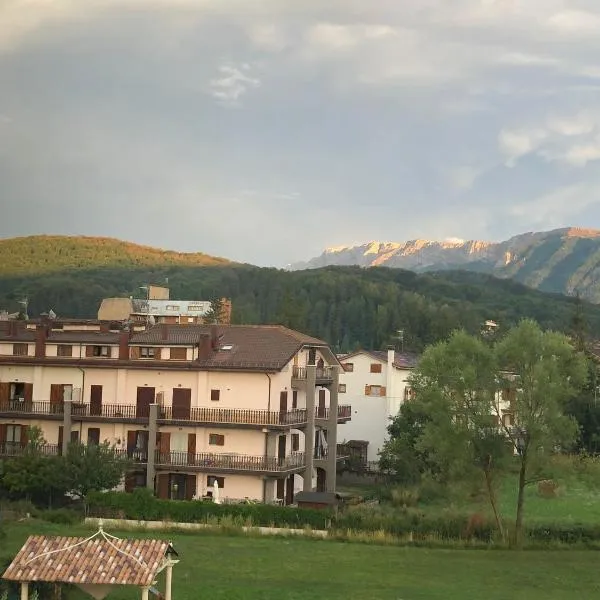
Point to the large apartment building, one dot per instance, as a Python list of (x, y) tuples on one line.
[(254, 408)]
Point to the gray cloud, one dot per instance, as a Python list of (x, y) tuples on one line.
[(264, 130)]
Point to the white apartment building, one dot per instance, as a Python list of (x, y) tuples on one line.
[(375, 384), (254, 408)]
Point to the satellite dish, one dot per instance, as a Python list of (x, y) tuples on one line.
[(151, 320), (51, 314)]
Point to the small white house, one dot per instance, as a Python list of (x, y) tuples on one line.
[(375, 384)]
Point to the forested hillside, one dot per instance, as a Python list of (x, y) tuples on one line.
[(40, 254), (347, 306)]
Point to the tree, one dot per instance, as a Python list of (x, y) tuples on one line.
[(400, 458), (455, 386), (544, 370), (214, 315), (96, 467)]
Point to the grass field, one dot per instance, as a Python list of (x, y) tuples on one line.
[(223, 567)]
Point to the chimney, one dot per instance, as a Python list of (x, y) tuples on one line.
[(204, 346), (41, 335), (164, 332), (391, 356), (124, 338)]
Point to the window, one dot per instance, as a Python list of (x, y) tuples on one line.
[(215, 395), (13, 434), (295, 442), (216, 439), (210, 482), (19, 349), (374, 390), (64, 350), (190, 319), (409, 393), (375, 367), (16, 391), (294, 399), (101, 351), (147, 352), (507, 420), (348, 367), (172, 307), (178, 354), (342, 388)]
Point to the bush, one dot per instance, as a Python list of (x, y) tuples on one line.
[(60, 516)]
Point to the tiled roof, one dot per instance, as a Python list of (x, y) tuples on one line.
[(402, 360), (91, 561), (82, 337)]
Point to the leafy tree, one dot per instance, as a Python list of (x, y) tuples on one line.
[(545, 371), (455, 386), (401, 458), (96, 467)]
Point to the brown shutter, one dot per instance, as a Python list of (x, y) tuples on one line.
[(190, 487), (191, 443), (163, 486), (283, 398), (96, 400), (367, 390), (130, 440), (135, 352), (384, 391), (165, 442), (2, 433), (29, 392), (182, 402), (294, 399), (4, 392), (24, 434), (57, 391), (89, 351)]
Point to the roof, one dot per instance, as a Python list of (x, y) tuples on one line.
[(77, 337), (100, 560), (252, 346), (402, 360)]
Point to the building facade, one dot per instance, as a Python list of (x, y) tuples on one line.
[(375, 384), (254, 408)]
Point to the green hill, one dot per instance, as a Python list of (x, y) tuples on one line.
[(347, 306), (41, 254)]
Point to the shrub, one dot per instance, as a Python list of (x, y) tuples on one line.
[(60, 516)]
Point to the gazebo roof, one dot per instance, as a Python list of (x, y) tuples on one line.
[(98, 560)]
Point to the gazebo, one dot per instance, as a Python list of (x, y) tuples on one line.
[(95, 564)]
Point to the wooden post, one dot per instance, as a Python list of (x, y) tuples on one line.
[(145, 593), (168, 581), (24, 590)]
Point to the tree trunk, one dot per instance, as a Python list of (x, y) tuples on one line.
[(494, 504), (521, 500)]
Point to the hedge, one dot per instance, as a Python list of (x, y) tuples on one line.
[(143, 506)]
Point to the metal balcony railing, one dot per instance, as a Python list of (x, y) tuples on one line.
[(30, 407), (231, 462), (344, 412), (8, 449), (322, 373)]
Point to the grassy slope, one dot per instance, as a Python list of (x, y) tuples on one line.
[(221, 567), (48, 254)]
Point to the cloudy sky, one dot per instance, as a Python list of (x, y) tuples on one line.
[(266, 130)]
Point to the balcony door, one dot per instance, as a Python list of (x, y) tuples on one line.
[(145, 397), (182, 403), (322, 410), (96, 400)]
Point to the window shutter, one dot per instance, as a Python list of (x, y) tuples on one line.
[(2, 433), (191, 443), (28, 392), (165, 442), (163, 486), (4, 392), (367, 390), (24, 434), (383, 392), (89, 351), (130, 440)]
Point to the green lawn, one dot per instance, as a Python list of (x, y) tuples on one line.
[(221, 567)]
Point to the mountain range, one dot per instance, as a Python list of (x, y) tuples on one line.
[(565, 261)]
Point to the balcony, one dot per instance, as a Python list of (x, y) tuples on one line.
[(130, 413), (221, 463), (9, 408), (323, 375), (8, 449), (344, 413)]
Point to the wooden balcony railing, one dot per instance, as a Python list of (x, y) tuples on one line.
[(232, 462)]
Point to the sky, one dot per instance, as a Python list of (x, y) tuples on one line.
[(266, 130)]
